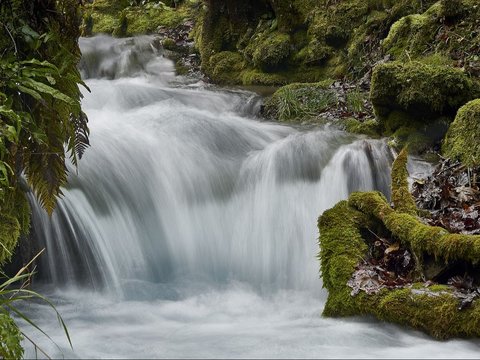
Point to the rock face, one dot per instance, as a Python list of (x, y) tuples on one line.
[(375, 260), (297, 40), (309, 41)]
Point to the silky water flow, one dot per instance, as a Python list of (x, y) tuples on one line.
[(189, 229)]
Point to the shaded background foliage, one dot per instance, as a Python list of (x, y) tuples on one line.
[(39, 95), (41, 122)]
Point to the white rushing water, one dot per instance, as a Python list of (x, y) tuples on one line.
[(190, 229)]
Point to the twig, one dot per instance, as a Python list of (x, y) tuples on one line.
[(378, 237), (13, 40), (30, 262)]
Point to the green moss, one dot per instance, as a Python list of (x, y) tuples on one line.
[(367, 127), (418, 143), (422, 91), (399, 39), (120, 19), (419, 237), (314, 53), (341, 245), (396, 120), (257, 77), (121, 25), (169, 44), (339, 38), (268, 50), (462, 140), (103, 23), (145, 21), (437, 314), (297, 102), (401, 197), (434, 31), (431, 309), (227, 67)]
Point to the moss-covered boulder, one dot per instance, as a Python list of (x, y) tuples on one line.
[(368, 127), (423, 92), (463, 137), (227, 66), (125, 18), (435, 309), (448, 28), (270, 52), (302, 41)]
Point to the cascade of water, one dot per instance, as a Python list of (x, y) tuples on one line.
[(198, 223), (178, 185)]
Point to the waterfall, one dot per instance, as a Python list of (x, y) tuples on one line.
[(189, 229), (178, 184)]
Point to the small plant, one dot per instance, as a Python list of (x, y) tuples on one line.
[(355, 100), (300, 102), (12, 291)]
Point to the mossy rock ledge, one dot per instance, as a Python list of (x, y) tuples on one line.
[(434, 309)]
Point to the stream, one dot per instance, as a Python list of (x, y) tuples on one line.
[(190, 231)]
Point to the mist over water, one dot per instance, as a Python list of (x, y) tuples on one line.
[(190, 228)]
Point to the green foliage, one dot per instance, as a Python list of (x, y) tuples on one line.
[(12, 291), (462, 140), (41, 123), (296, 102), (367, 127), (9, 233), (355, 100), (10, 338), (40, 111)]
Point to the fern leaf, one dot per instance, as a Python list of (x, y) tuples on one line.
[(40, 87)]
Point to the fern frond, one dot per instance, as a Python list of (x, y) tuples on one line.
[(82, 133), (46, 173)]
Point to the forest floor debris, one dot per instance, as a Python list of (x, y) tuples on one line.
[(451, 197)]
